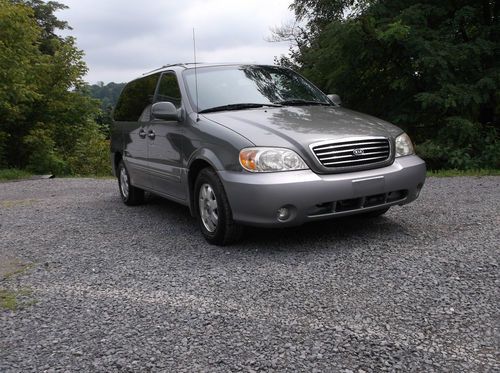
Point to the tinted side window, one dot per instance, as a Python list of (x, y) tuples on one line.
[(168, 90), (135, 98)]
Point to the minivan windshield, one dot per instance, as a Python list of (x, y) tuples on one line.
[(249, 86)]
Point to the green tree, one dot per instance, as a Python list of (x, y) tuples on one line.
[(431, 67), (19, 61), (44, 111), (43, 14)]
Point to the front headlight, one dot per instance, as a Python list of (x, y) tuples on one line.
[(270, 160), (404, 145)]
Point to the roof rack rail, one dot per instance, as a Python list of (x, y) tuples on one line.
[(170, 65)]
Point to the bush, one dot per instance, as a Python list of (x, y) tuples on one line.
[(13, 174), (43, 156), (90, 155), (462, 145), (4, 136)]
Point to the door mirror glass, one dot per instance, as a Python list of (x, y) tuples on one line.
[(164, 110), (335, 99)]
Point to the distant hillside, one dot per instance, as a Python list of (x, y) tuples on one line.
[(108, 94)]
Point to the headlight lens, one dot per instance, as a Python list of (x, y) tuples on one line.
[(404, 145), (270, 160)]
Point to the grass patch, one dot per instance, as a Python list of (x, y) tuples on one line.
[(453, 173), (13, 174), (14, 299), (8, 300), (9, 174), (17, 203)]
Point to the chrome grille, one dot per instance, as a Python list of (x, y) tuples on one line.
[(353, 153)]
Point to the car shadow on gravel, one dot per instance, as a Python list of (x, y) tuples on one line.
[(169, 209), (339, 229), (313, 234)]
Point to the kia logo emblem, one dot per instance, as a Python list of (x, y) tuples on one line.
[(358, 152)]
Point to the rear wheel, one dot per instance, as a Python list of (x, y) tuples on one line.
[(130, 194), (213, 211)]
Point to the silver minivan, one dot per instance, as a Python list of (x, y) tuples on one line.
[(256, 145)]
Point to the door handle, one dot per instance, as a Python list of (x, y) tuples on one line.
[(142, 134), (151, 134)]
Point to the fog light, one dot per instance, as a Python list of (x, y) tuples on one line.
[(283, 213)]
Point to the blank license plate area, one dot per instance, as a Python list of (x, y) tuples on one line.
[(369, 186)]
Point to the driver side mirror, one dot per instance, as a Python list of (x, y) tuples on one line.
[(166, 110), (335, 99)]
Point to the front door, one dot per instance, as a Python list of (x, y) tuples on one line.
[(165, 143)]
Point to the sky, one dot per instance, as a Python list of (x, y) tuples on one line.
[(123, 39)]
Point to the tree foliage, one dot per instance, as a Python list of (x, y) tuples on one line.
[(108, 95), (44, 111), (432, 67)]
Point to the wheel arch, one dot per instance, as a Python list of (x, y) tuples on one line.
[(202, 159), (194, 170), (117, 157)]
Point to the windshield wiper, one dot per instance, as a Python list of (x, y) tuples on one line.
[(236, 107), (299, 102)]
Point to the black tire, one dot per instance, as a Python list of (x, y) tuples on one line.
[(131, 195), (216, 219), (375, 213)]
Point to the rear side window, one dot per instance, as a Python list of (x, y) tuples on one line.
[(168, 90), (136, 99)]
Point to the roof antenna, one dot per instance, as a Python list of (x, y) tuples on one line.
[(195, 77)]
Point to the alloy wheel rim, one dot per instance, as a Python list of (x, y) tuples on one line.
[(209, 211), (124, 186)]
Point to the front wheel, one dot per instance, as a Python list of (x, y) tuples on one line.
[(130, 194), (213, 211)]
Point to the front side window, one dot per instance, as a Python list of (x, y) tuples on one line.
[(233, 85), (168, 90), (135, 101)]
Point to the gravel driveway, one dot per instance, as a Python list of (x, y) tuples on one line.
[(113, 288)]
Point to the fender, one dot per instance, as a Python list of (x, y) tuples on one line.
[(202, 154), (208, 156)]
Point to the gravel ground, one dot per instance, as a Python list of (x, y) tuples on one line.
[(115, 288)]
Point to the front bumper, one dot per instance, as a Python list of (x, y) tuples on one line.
[(256, 197)]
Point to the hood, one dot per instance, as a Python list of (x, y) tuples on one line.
[(297, 127)]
